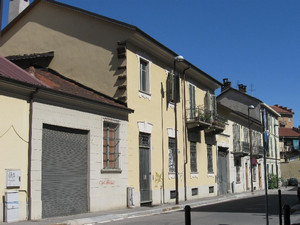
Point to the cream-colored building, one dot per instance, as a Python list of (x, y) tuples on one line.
[(64, 147), (125, 63)]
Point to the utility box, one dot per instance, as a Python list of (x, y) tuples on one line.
[(130, 197), (11, 206), (13, 178)]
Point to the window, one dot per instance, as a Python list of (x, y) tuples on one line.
[(110, 146), (192, 101), (144, 76), (171, 155), (172, 194), (209, 159), (211, 189), (194, 191), (193, 152)]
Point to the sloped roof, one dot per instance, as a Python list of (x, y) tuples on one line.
[(104, 18), (288, 132), (12, 71), (50, 80), (282, 110), (62, 84)]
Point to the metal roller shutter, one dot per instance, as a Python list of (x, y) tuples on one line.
[(64, 171)]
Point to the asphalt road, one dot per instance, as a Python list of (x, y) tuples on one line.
[(247, 211)]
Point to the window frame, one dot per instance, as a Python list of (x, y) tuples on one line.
[(145, 77), (115, 165)]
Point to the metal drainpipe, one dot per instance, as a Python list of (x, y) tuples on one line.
[(29, 153), (185, 131)]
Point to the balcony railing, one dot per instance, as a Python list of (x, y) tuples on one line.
[(245, 147), (198, 117), (217, 126)]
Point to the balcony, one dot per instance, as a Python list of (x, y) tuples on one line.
[(258, 151), (198, 118), (245, 147), (217, 126)]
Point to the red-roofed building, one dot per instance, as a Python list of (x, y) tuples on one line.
[(289, 136), (52, 130)]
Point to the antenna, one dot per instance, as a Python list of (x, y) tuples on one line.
[(237, 84), (252, 88)]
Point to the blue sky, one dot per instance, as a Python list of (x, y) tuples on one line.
[(253, 42)]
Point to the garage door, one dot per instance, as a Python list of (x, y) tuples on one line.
[(64, 171)]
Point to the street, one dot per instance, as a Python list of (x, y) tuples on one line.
[(247, 211)]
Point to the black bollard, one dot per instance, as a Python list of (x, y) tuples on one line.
[(187, 210), (287, 220), (280, 207)]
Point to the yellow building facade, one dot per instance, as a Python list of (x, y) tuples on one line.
[(123, 62), (14, 136)]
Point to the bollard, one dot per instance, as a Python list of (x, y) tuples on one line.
[(280, 207), (187, 210), (287, 220)]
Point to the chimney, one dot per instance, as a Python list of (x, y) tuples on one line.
[(242, 88), (16, 7), (226, 84)]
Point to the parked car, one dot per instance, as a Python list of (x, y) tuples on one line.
[(292, 182)]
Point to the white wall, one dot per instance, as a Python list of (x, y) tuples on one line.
[(106, 190)]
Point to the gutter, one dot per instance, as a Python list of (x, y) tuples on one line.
[(185, 132), (30, 151)]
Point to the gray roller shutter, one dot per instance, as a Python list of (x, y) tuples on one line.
[(64, 171)]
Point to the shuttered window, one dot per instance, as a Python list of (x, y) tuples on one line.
[(192, 101), (111, 146)]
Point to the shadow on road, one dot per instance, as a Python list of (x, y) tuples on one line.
[(251, 205)]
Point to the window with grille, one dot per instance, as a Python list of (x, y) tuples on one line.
[(144, 76), (171, 155), (111, 152), (193, 152), (209, 159)]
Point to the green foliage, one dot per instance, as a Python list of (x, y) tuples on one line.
[(272, 181)]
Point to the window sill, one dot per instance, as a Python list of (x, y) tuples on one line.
[(144, 95), (171, 175), (211, 174), (111, 171), (194, 174), (171, 105)]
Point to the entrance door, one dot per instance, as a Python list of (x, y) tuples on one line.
[(64, 171), (222, 172), (246, 175), (259, 175), (145, 170)]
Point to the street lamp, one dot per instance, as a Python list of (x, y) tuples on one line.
[(276, 149), (250, 139), (178, 58)]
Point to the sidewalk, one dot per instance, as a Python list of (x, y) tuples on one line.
[(111, 215)]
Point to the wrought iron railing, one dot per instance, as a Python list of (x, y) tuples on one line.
[(219, 121), (199, 114)]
